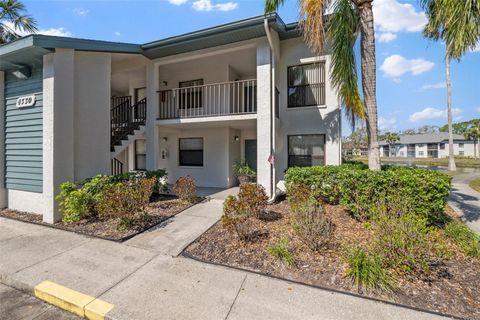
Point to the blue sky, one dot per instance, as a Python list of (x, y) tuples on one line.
[(410, 69)]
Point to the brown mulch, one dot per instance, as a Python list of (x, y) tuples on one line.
[(161, 208), (454, 289)]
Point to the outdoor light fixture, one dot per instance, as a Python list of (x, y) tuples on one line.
[(164, 139), (165, 83), (22, 73), (236, 138)]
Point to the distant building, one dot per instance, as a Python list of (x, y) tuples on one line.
[(427, 145)]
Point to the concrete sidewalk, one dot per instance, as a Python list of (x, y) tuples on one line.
[(466, 201), (144, 279)]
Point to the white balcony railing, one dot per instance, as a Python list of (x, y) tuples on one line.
[(227, 98)]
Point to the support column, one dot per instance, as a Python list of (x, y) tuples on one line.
[(264, 115), (58, 127), (3, 191), (152, 111)]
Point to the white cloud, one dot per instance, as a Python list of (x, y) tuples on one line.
[(117, 33), (438, 85), (227, 6), (81, 12), (478, 109), (207, 5), (177, 2), (433, 113), (59, 32), (393, 16), (387, 124), (386, 37), (395, 66)]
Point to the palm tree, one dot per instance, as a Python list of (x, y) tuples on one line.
[(13, 20), (457, 24), (348, 19), (473, 133), (391, 138)]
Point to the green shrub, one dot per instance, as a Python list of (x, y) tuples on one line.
[(125, 201), (243, 168), (78, 202), (281, 250), (252, 198), (466, 239), (312, 226), (367, 270), (75, 204), (185, 189), (359, 190), (406, 242)]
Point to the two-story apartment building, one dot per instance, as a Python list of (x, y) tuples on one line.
[(194, 104), (427, 145)]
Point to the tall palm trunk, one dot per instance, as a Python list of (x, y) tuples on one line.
[(369, 81), (451, 159)]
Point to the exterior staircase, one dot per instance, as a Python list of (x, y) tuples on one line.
[(126, 120)]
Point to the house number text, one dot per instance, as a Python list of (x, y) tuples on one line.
[(26, 101)]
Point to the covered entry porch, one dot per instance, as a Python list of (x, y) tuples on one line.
[(207, 150)]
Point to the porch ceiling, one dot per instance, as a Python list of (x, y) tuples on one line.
[(247, 122)]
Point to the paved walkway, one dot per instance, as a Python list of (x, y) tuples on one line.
[(466, 201), (144, 279)]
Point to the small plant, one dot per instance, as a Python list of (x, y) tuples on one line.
[(298, 195), (405, 243), (312, 226), (74, 203), (366, 270), (237, 220), (242, 168), (125, 201), (185, 188), (252, 198), (466, 239), (281, 250)]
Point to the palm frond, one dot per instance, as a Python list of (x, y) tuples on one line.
[(312, 23), (342, 31), (457, 23), (272, 5)]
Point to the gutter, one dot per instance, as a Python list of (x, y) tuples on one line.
[(273, 187)]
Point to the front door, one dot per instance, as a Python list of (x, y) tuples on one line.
[(251, 153)]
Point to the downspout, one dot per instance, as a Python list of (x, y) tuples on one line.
[(272, 112)]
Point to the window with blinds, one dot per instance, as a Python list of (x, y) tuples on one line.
[(306, 85), (191, 152), (306, 150)]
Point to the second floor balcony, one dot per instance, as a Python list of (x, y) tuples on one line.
[(196, 99)]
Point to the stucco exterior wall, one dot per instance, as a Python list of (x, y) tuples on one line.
[(92, 114), (215, 170), (324, 119)]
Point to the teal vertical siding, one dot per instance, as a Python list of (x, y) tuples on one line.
[(23, 133)]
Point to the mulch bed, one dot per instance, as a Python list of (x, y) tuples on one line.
[(161, 208), (454, 289)]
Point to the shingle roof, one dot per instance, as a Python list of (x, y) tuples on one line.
[(435, 137)]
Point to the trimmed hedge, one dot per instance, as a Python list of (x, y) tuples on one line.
[(362, 191)]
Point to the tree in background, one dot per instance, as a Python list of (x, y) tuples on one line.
[(391, 138), (473, 133), (461, 127), (456, 23), (348, 20), (13, 19)]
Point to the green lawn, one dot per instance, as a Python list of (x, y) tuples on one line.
[(475, 184), (460, 162)]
